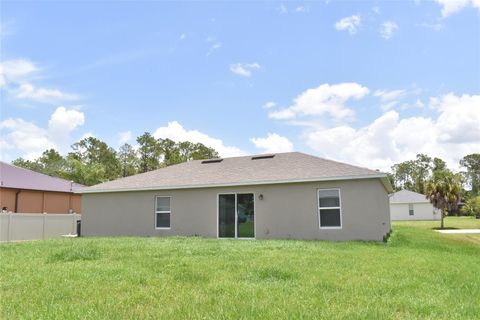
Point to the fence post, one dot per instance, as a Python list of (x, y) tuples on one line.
[(74, 224), (9, 226), (44, 222)]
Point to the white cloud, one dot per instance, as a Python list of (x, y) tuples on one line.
[(4, 145), (15, 76), (15, 70), (419, 103), (351, 24), (87, 135), (182, 36), (244, 69), (450, 7), (389, 98), (433, 26), (28, 91), (27, 137), (214, 44), (6, 28), (301, 9), (124, 137), (62, 122), (283, 9), (376, 9), (326, 99), (388, 95), (176, 132), (31, 140), (273, 143), (270, 104), (389, 139), (387, 29), (459, 119)]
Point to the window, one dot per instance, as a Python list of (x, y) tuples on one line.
[(162, 212), (329, 208), (410, 209)]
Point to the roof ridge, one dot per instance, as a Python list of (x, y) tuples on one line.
[(40, 173), (344, 163)]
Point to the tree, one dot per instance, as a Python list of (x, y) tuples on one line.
[(199, 151), (412, 174), (91, 151), (472, 207), (171, 152), (444, 192), (128, 160), (149, 152), (27, 164), (184, 151), (53, 163), (50, 163), (86, 174), (472, 163), (421, 171), (402, 173)]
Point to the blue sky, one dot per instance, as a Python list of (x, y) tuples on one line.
[(369, 83)]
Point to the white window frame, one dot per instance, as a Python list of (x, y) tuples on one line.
[(410, 205), (325, 208), (169, 212)]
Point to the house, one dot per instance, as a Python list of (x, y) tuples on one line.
[(275, 196), (27, 191), (409, 205)]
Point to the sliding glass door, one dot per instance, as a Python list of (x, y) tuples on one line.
[(226, 215), (236, 215)]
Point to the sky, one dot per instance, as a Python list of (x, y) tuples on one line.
[(371, 83)]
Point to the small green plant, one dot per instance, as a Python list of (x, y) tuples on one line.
[(472, 207)]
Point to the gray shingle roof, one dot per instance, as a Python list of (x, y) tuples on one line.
[(407, 196), (20, 178), (282, 168)]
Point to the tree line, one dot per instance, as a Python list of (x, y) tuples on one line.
[(93, 161), (443, 187)]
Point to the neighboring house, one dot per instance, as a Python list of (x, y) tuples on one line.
[(409, 205), (277, 196), (26, 191)]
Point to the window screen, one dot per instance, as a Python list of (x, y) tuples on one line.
[(162, 212), (329, 209)]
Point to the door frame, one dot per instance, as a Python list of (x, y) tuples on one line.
[(236, 214)]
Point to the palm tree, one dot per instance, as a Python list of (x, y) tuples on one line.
[(444, 191)]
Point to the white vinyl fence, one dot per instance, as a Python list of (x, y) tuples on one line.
[(36, 226)]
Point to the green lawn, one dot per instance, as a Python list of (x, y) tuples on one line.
[(419, 273)]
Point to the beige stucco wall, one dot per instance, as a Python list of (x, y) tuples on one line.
[(286, 211), (7, 198), (33, 201), (422, 211)]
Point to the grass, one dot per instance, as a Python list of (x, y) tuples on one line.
[(450, 223), (418, 274)]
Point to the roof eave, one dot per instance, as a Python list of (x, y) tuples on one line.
[(383, 177)]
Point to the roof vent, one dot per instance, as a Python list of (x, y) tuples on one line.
[(212, 161), (265, 156)]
